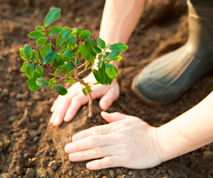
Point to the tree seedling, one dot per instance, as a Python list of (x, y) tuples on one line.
[(64, 57)]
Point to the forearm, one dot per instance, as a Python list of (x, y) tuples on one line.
[(189, 131), (119, 20)]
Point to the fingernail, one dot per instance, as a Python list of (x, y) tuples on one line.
[(55, 123), (66, 119), (90, 165), (72, 157), (66, 148), (51, 120)]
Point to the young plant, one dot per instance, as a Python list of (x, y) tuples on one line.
[(64, 57)]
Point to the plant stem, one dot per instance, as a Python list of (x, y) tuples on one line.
[(85, 70), (90, 105)]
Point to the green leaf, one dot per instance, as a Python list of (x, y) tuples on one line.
[(72, 81), (67, 56), (28, 51), (103, 77), (40, 28), (22, 54), (96, 74), (87, 88), (62, 37), (29, 71), (64, 45), (78, 60), (101, 43), (100, 64), (97, 49), (87, 64), (78, 31), (121, 47), (44, 50), (60, 90), (49, 57), (57, 72), (54, 30), (32, 82), (111, 70), (67, 67), (51, 16), (41, 41), (39, 69), (58, 61), (64, 50), (113, 54), (36, 34), (41, 82), (117, 58), (72, 40), (52, 80), (84, 91), (89, 43), (35, 56), (107, 53), (84, 34), (24, 66), (67, 80), (85, 53)]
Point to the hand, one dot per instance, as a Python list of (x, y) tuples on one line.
[(127, 142), (66, 107)]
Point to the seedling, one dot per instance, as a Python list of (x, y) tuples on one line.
[(64, 57)]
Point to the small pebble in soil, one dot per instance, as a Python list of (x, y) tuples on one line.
[(44, 162), (36, 138), (54, 165), (29, 173), (19, 170), (4, 92), (6, 143), (12, 119), (104, 172), (119, 171), (112, 173), (27, 156), (41, 172)]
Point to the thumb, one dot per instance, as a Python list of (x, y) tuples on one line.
[(112, 117), (107, 100)]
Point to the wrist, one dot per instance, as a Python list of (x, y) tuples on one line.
[(155, 142)]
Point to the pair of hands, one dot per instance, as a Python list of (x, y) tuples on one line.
[(126, 141)]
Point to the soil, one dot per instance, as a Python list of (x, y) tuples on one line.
[(31, 147)]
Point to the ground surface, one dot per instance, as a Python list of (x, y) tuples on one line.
[(31, 147)]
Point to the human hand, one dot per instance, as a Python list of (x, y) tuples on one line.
[(127, 142), (66, 107)]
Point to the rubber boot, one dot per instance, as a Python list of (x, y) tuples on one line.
[(170, 76)]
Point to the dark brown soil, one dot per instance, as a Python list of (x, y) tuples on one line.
[(31, 147)]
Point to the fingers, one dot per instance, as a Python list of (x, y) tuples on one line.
[(97, 152), (106, 162), (58, 115), (98, 130), (90, 142), (74, 106), (107, 100), (54, 105), (112, 117)]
